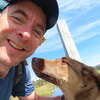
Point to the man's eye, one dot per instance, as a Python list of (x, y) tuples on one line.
[(17, 19)]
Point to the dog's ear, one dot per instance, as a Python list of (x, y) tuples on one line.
[(82, 69), (74, 64)]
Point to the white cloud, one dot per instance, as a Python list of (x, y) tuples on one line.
[(50, 46), (51, 33), (86, 36), (80, 30), (93, 60), (75, 4), (86, 31), (71, 10), (64, 3)]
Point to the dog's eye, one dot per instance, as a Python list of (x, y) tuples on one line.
[(83, 85)]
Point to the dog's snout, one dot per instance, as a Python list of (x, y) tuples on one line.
[(38, 63)]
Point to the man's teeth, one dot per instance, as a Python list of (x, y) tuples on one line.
[(15, 46)]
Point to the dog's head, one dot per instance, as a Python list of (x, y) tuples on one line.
[(66, 73), (48, 69)]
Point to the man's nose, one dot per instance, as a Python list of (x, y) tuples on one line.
[(24, 35)]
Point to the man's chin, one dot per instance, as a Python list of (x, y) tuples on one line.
[(5, 68)]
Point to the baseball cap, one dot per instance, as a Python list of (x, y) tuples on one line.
[(50, 7)]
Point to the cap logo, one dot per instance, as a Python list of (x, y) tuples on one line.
[(3, 4)]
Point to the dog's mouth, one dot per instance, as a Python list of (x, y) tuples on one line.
[(38, 66), (47, 78)]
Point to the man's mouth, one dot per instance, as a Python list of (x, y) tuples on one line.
[(12, 44)]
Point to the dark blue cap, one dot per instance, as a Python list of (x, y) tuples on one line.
[(50, 7)]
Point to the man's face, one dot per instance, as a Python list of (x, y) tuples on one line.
[(22, 27)]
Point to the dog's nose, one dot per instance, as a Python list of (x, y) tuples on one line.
[(38, 63)]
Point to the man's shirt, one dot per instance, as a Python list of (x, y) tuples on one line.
[(24, 88)]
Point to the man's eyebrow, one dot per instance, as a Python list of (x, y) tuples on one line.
[(20, 12)]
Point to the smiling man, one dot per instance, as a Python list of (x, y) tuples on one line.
[(23, 24)]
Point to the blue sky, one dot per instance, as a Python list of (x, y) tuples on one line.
[(83, 19)]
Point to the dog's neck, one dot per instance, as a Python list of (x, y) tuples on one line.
[(88, 92), (91, 94), (69, 95)]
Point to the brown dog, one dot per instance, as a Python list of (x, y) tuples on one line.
[(77, 80)]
